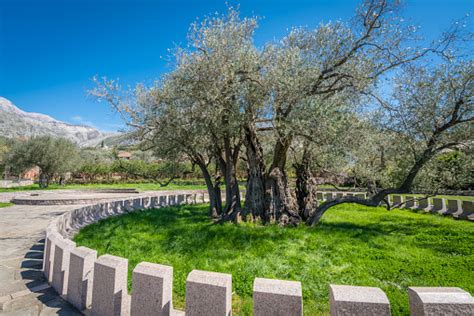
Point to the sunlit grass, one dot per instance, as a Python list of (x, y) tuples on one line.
[(2, 204), (353, 245)]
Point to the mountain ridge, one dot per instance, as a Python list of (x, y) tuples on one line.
[(16, 123)]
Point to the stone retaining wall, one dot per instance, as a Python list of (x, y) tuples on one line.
[(444, 206), (98, 286), (15, 183)]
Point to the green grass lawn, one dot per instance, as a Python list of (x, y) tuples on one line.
[(2, 204), (354, 245)]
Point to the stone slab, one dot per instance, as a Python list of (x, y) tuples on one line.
[(152, 290), (396, 199), (452, 207), (109, 291), (467, 211), (440, 301), (277, 297), (439, 205), (357, 300), (208, 293), (410, 202), (62, 250), (424, 204), (81, 272), (328, 196)]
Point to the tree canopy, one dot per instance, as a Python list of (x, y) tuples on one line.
[(54, 156), (300, 103)]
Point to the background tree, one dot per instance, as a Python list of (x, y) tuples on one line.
[(5, 146), (54, 156), (453, 170)]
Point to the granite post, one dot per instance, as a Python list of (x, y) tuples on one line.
[(426, 301), (109, 291), (358, 300), (208, 293), (152, 290), (81, 276), (277, 297)]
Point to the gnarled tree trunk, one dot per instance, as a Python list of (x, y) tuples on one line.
[(305, 187), (280, 204), (381, 196), (214, 191), (268, 195), (255, 195), (43, 180)]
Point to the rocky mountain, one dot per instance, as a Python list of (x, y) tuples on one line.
[(15, 123)]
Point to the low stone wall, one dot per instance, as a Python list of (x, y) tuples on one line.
[(98, 285), (444, 206), (15, 183)]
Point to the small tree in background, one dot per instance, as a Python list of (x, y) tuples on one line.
[(54, 156), (5, 146)]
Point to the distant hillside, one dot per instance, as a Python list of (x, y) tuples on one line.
[(122, 139), (15, 123)]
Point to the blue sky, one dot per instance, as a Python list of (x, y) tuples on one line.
[(50, 49)]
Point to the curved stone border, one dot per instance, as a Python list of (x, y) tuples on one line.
[(99, 285), (444, 206), (73, 197)]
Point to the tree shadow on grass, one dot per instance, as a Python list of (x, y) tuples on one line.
[(186, 230)]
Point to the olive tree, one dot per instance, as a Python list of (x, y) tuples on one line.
[(430, 111), (322, 71), (5, 147), (452, 170), (198, 110), (54, 156), (226, 100)]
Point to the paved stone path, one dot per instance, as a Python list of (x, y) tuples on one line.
[(23, 289), (7, 196)]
